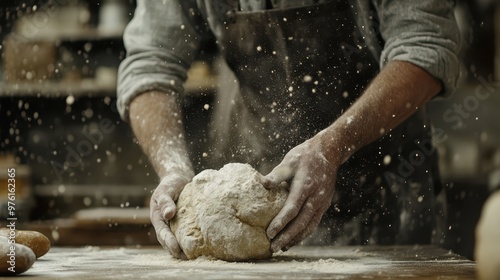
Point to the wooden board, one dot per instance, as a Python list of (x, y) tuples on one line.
[(73, 232), (111, 215), (419, 262)]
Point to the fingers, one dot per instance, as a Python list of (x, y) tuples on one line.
[(290, 210), (281, 173), (295, 227), (287, 213), (306, 232), (170, 243), (167, 207), (164, 234), (163, 209), (166, 193), (271, 184)]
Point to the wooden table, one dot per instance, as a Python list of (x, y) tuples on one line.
[(370, 262)]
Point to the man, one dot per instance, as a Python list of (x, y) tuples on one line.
[(329, 94)]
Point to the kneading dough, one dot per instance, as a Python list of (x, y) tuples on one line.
[(487, 250), (224, 214)]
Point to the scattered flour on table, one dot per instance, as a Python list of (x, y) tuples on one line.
[(274, 265), (224, 214), (124, 263)]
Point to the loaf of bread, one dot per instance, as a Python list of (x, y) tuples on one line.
[(14, 261), (36, 241), (487, 249)]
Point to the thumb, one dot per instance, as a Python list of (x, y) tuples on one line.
[(280, 174), (167, 206)]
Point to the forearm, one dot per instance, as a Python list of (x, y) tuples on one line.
[(156, 120), (394, 95)]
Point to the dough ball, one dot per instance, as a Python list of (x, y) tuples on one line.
[(24, 257), (487, 250), (224, 214), (36, 241)]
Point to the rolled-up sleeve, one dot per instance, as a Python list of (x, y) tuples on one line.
[(161, 42), (422, 32)]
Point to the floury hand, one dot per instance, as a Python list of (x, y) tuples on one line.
[(311, 178), (163, 209)]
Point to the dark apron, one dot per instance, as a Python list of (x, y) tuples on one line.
[(297, 71)]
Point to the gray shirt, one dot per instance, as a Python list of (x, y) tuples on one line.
[(164, 37)]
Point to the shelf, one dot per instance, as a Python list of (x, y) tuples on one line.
[(76, 36), (57, 89), (88, 88)]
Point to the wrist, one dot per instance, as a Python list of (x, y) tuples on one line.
[(335, 145), (182, 172), (184, 176)]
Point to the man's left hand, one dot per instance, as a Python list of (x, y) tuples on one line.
[(311, 178)]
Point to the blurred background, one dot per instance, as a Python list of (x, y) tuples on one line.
[(82, 180)]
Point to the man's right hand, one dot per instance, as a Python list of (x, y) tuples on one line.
[(163, 209)]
